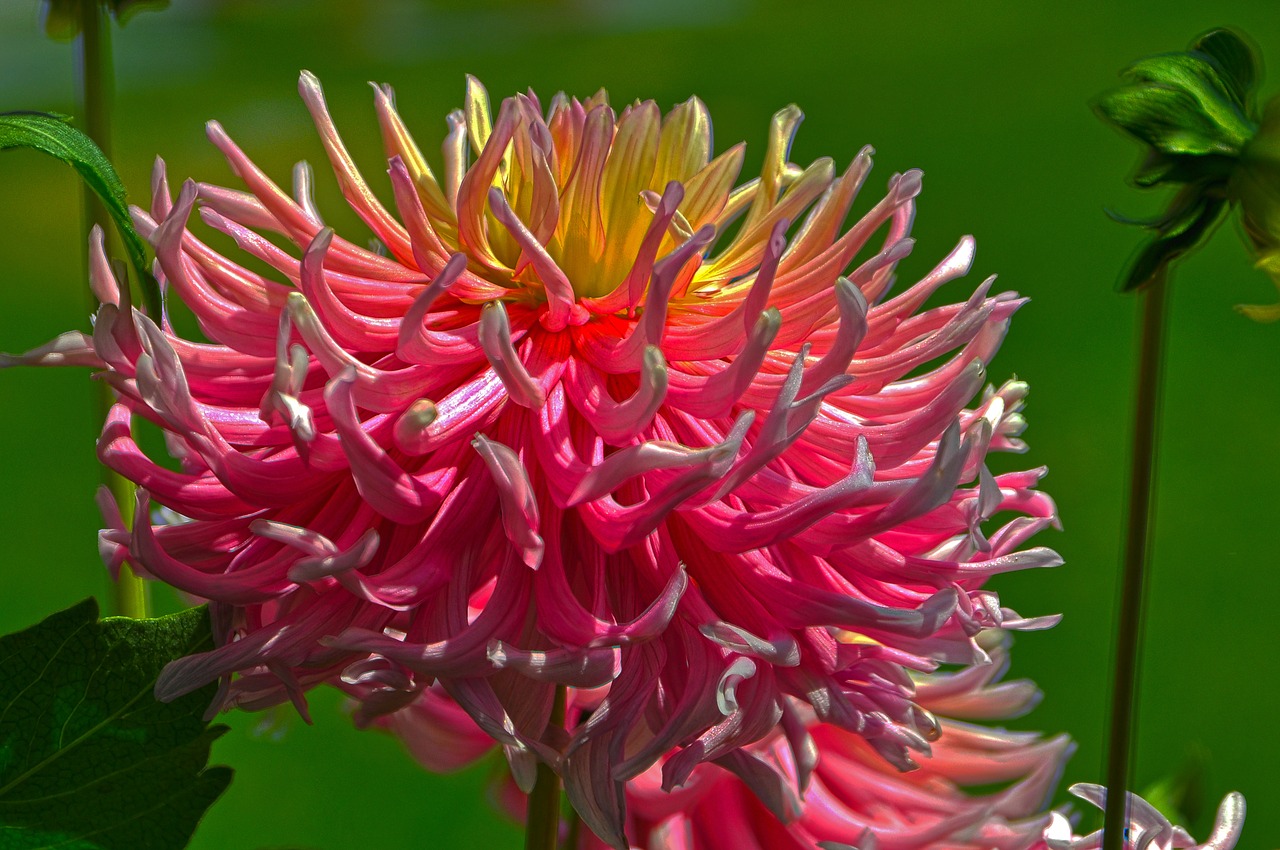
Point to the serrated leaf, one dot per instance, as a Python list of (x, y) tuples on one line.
[(89, 759), (52, 134)]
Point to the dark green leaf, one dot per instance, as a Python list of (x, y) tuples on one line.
[(1180, 235), (54, 136), (89, 759), (1159, 168), (1239, 62)]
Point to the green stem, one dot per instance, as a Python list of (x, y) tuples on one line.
[(1137, 548), (542, 818), (575, 829), (96, 76)]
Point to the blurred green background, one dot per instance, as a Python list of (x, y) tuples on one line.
[(989, 98)]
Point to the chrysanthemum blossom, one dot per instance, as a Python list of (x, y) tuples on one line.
[(825, 786), (590, 416)]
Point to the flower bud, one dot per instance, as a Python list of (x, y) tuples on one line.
[(1193, 113)]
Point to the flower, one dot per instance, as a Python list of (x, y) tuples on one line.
[(827, 787), (588, 417)]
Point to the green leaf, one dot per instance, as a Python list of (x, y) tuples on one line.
[(89, 759), (1236, 57), (1196, 103), (54, 136), (1157, 168), (1183, 229), (1208, 86), (1168, 119)]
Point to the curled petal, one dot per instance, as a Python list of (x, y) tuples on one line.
[(519, 506), (495, 339), (591, 668)]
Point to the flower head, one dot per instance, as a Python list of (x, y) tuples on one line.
[(590, 416)]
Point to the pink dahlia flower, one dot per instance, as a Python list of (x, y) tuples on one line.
[(589, 416), (819, 785)]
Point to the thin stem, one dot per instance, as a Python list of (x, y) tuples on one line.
[(96, 85), (96, 78), (1137, 548), (542, 819)]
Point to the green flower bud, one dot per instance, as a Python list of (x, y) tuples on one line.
[(1193, 112)]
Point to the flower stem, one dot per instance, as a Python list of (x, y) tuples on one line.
[(1137, 547), (96, 79), (542, 818)]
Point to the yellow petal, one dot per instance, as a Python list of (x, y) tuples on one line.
[(579, 241), (781, 131), (397, 141), (1269, 263), (627, 173), (685, 145), (748, 247), (706, 193), (1260, 312), (479, 120), (822, 226)]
